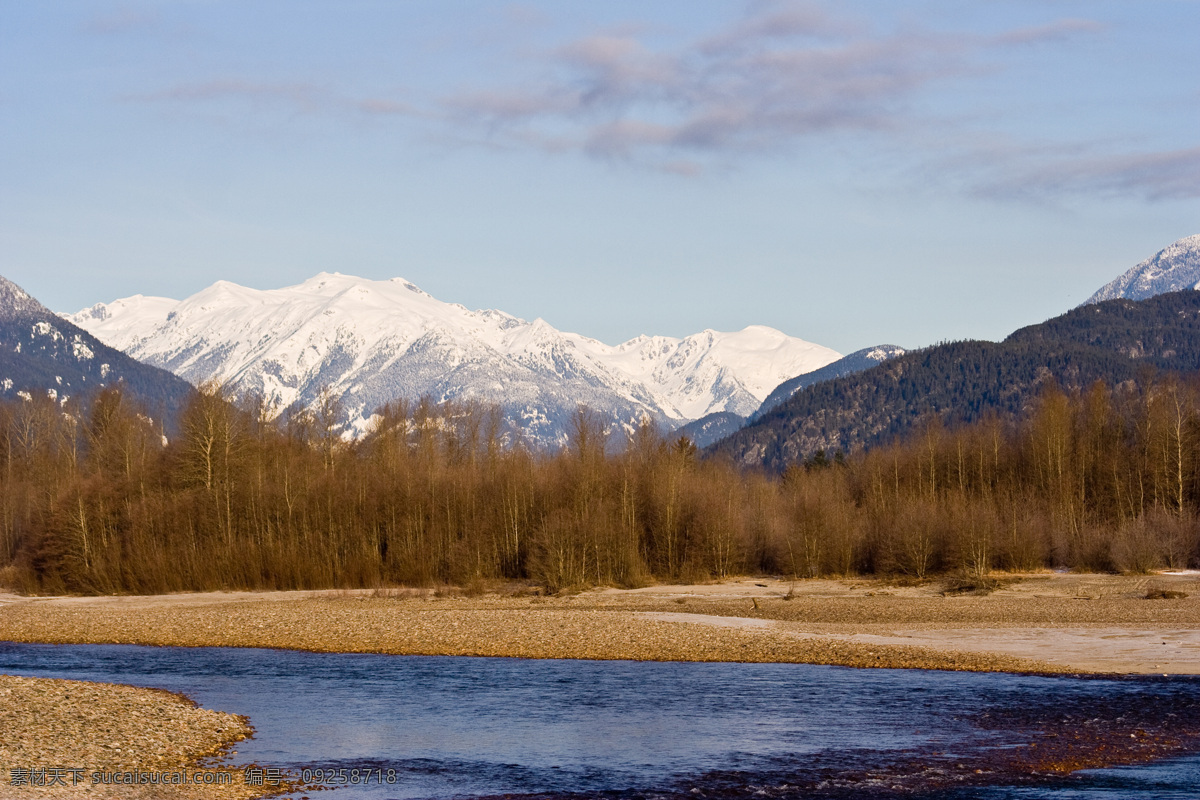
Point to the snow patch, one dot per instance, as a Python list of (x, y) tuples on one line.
[(81, 350), (1172, 269)]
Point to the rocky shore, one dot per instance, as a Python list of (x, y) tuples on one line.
[(75, 739)]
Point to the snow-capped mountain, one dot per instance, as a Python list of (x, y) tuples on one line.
[(1171, 269), (371, 341)]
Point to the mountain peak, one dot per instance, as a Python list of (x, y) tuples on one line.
[(412, 287), (375, 341), (324, 277), (1174, 268), (330, 283), (15, 302)]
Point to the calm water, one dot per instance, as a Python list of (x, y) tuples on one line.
[(470, 727)]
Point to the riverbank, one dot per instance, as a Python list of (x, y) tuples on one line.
[(1036, 623), (63, 738)]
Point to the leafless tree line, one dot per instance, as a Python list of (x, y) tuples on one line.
[(99, 501)]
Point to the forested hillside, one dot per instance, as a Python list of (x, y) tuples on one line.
[(41, 352), (1116, 342), (858, 361)]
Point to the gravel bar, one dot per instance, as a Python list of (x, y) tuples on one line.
[(62, 738)]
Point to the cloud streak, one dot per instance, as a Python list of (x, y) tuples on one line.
[(1157, 176), (784, 72), (1058, 31)]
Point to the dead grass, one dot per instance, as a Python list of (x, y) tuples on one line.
[(976, 585), (1159, 593)]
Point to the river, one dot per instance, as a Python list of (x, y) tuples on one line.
[(442, 727)]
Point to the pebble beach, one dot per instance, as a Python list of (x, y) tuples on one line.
[(75, 739)]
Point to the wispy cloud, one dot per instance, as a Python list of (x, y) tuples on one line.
[(1161, 175), (290, 98), (783, 72), (786, 73), (1057, 31), (780, 20)]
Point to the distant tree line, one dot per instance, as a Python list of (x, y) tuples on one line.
[(97, 501)]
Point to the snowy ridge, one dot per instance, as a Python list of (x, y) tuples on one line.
[(1172, 269), (374, 341)]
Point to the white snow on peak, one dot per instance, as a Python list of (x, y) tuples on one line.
[(373, 341), (121, 320), (713, 371), (1172, 269)]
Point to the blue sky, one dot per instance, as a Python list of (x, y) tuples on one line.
[(851, 173)]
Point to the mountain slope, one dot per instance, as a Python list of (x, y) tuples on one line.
[(1113, 341), (857, 361), (711, 428), (1172, 269), (371, 342), (42, 353)]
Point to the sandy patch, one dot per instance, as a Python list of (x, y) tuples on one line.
[(1167, 651)]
